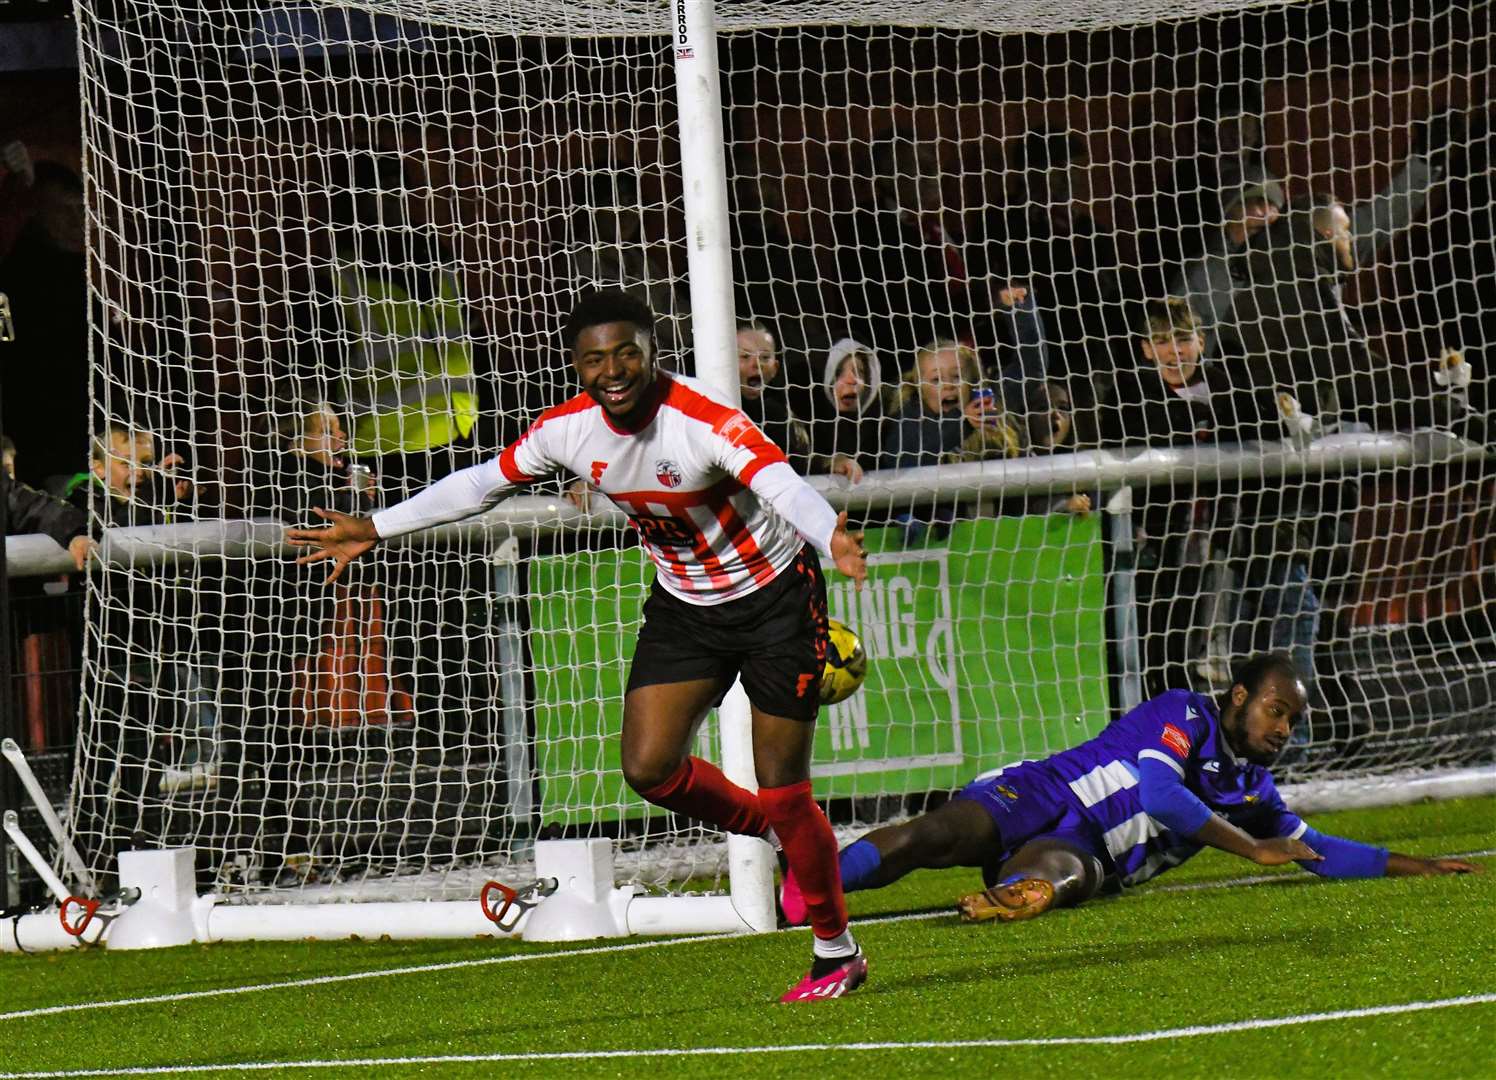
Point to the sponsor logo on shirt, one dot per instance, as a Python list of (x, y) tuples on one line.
[(668, 474), (1176, 740), (663, 531)]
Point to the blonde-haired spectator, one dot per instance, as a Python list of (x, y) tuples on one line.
[(944, 415), (941, 413)]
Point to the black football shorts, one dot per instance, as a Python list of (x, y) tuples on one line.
[(775, 638)]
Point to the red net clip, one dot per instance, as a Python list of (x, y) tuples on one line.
[(89, 909), (516, 901)]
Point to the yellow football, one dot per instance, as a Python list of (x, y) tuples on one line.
[(846, 664)]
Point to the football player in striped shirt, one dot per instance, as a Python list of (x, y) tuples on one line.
[(1175, 775), (734, 535)]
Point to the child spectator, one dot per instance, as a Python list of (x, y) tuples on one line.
[(944, 417), (847, 416), (764, 399), (1171, 395), (1052, 425)]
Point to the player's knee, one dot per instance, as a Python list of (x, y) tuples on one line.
[(645, 772)]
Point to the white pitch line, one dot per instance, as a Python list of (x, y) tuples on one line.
[(1125, 1038), (515, 958), (380, 973)]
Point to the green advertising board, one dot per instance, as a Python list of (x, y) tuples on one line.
[(985, 646)]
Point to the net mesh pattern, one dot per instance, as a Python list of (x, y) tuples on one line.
[(331, 249)]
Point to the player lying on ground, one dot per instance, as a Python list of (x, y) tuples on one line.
[(738, 590), (1173, 776)]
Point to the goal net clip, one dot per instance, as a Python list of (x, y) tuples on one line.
[(105, 909), (516, 901)]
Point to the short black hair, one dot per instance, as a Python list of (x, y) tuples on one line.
[(1257, 669), (606, 306)]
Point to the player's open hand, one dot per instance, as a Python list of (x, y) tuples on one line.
[(1435, 867), (1280, 850), (848, 551), (344, 540)]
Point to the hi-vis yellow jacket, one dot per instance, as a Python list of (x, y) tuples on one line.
[(410, 373)]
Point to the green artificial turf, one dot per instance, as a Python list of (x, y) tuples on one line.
[(1160, 957)]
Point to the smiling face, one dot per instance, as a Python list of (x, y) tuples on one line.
[(758, 364), (615, 363), (1258, 725), (1176, 355), (942, 387)]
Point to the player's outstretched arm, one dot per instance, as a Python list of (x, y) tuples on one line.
[(1219, 833), (808, 511), (345, 539), (462, 494), (1173, 805), (1413, 866)]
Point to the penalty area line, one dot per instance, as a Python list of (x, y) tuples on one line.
[(1120, 1039), (633, 946)]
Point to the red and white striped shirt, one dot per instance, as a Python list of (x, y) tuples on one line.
[(715, 503)]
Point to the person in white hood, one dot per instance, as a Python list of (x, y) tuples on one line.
[(847, 418)]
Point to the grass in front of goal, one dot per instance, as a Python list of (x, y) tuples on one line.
[(1197, 948)]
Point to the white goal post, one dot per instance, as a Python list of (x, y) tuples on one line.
[(331, 247)]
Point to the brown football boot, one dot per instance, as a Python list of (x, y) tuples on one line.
[(1010, 902)]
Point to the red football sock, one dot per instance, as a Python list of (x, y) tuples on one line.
[(699, 790), (810, 847)]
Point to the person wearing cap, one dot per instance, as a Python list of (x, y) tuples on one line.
[(1234, 173)]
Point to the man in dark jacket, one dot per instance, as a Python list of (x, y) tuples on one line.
[(1068, 263), (1228, 199), (32, 511), (1292, 324), (1173, 396)]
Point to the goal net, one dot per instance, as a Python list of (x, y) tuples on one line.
[(1152, 335)]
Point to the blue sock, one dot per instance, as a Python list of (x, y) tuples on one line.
[(858, 862)]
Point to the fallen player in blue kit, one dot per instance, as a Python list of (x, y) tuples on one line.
[(1175, 775)]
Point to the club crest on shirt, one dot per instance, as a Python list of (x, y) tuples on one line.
[(668, 474)]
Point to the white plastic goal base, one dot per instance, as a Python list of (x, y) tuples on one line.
[(1394, 789), (585, 904)]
